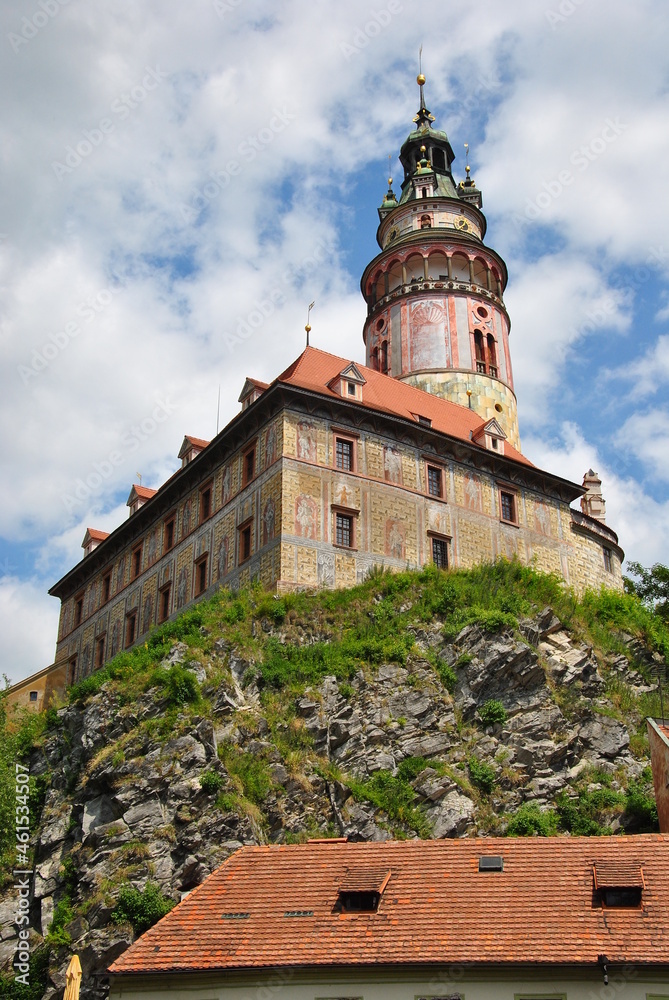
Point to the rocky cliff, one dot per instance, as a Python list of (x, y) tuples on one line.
[(404, 708)]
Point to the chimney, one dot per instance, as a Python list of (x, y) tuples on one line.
[(593, 503), (658, 739)]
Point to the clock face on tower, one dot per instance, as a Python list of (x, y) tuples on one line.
[(462, 224)]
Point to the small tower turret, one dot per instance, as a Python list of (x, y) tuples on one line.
[(593, 503)]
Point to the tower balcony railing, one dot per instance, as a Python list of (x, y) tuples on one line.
[(436, 284)]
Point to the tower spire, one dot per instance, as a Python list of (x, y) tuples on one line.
[(423, 118)]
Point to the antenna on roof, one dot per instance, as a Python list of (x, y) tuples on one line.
[(218, 406), (308, 327)]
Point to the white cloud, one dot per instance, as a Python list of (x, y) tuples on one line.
[(646, 436), (30, 623)]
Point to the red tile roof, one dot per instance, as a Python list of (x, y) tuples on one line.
[(436, 907), (95, 535), (143, 492), (315, 369), (197, 442)]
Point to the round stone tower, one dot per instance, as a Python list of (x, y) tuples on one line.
[(435, 311)]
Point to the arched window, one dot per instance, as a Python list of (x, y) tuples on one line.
[(374, 358), (425, 222), (383, 357), (438, 160), (492, 355), (479, 351)]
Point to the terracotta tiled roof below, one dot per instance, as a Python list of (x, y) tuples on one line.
[(315, 369), (437, 907)]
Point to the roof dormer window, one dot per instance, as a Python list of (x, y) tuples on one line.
[(618, 886), (361, 890), (348, 383)]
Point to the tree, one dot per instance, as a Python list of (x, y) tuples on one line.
[(651, 586)]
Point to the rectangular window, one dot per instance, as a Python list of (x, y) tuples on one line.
[(434, 481), (344, 530), (608, 562), (440, 553), (130, 629), (248, 466), (508, 506), (72, 670), (351, 388), (99, 652), (168, 536), (205, 503), (164, 606), (137, 562), (33, 695), (78, 610), (344, 454), (245, 543), (201, 576), (106, 587)]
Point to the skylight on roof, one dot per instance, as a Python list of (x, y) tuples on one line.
[(491, 863), (618, 885)]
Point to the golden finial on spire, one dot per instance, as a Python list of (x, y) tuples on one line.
[(308, 326)]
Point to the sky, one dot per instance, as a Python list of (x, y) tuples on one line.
[(182, 180)]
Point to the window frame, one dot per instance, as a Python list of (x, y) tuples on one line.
[(78, 610), (106, 587), (130, 633), (201, 577), (244, 530), (206, 509), (100, 650), (169, 523), (249, 453), (608, 559), (509, 491), (136, 563), (340, 440), (436, 537), (439, 469), (352, 516), (164, 607)]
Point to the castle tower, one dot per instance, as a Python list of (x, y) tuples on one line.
[(436, 316)]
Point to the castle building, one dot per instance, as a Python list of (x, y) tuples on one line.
[(336, 467)]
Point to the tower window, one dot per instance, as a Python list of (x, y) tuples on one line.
[(164, 609), (201, 574), (608, 561), (130, 629), (425, 221), (383, 357), (479, 351), (438, 159), (244, 543), (205, 503), (249, 465)]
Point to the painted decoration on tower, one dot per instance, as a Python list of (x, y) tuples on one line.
[(270, 445), (268, 521), (438, 520), (395, 539), (153, 546), (182, 588), (306, 516), (392, 465), (428, 335), (473, 492), (306, 441), (227, 484), (85, 659), (222, 557), (326, 569)]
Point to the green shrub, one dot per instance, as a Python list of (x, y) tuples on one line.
[(641, 808), (448, 677), (210, 782), (493, 711), (395, 796), (180, 685), (63, 913), (410, 768), (141, 909), (37, 978), (530, 820), (483, 776)]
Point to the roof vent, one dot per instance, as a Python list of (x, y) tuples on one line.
[(299, 913), (491, 863), (361, 890), (617, 885), (236, 916)]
